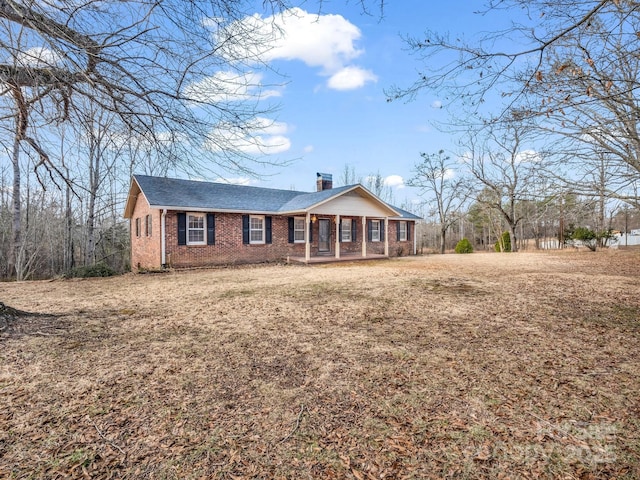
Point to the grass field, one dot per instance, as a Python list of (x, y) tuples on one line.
[(462, 366)]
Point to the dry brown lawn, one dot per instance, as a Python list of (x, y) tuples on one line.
[(461, 366)]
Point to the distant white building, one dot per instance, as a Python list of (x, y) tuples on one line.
[(621, 240)]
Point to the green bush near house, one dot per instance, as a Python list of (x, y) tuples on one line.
[(464, 246), (505, 240)]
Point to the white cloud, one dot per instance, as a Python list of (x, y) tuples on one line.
[(394, 181), (528, 156), (449, 173), (229, 87), (262, 137), (38, 57), (350, 78), (235, 181), (308, 149), (268, 127), (436, 104), (327, 42)]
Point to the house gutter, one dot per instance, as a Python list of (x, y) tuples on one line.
[(163, 242)]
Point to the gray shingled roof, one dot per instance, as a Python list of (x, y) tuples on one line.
[(162, 192), (171, 192), (405, 214)]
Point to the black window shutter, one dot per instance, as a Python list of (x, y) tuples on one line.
[(369, 229), (291, 229), (381, 223), (354, 237), (340, 231), (267, 235), (211, 229), (245, 229), (182, 228), (398, 231), (408, 231), (310, 232)]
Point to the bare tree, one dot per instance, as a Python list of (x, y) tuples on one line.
[(569, 67), (467, 71), (485, 218), (161, 68), (376, 183), (348, 175), (436, 176), (503, 168), (586, 94)]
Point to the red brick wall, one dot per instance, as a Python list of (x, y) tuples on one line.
[(145, 250), (396, 247), (229, 249)]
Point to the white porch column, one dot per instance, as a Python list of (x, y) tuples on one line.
[(307, 236), (386, 236), (337, 236), (364, 236)]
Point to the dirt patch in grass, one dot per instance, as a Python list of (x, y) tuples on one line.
[(462, 366)]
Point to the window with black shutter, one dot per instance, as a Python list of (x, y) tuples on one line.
[(182, 228), (211, 229)]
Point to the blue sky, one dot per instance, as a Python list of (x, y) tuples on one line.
[(332, 106)]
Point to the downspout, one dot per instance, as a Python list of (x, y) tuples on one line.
[(163, 242)]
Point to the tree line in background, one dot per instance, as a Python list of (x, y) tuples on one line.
[(563, 221), (501, 189)]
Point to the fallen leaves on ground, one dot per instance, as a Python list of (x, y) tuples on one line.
[(475, 366)]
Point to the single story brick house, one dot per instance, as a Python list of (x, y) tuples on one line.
[(186, 223)]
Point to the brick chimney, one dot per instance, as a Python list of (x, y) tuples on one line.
[(324, 181)]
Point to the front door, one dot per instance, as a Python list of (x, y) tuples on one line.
[(324, 235)]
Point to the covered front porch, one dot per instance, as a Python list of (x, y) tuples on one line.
[(330, 238), (353, 225)]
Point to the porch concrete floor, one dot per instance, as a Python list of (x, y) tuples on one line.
[(353, 257)]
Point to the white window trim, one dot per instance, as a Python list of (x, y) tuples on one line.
[(204, 228), (375, 231), (403, 233), (350, 230), (263, 230), (296, 230)]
